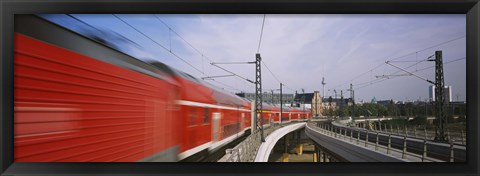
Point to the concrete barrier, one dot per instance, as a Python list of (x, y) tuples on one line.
[(347, 151), (272, 139)]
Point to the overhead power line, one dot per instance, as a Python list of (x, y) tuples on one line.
[(233, 73), (358, 76), (288, 87), (93, 27), (455, 60), (440, 44), (233, 62), (231, 87), (211, 77), (258, 49), (396, 58), (81, 21), (271, 72), (376, 81), (261, 33), (165, 48), (203, 55), (176, 33), (409, 72)]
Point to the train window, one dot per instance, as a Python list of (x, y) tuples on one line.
[(206, 120), (192, 116)]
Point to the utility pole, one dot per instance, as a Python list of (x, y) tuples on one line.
[(258, 95), (281, 104), (341, 101), (352, 96), (272, 96), (334, 90), (336, 101), (426, 115), (341, 96), (441, 133), (303, 100), (441, 126)]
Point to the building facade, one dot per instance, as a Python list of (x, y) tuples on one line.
[(312, 102), (317, 105), (446, 89), (269, 98)]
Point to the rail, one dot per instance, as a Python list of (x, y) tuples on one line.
[(419, 132)]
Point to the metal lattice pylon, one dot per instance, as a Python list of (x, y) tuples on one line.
[(441, 132), (258, 95)]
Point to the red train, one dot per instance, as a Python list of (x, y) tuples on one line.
[(78, 100)]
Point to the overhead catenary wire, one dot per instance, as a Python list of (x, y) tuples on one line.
[(415, 64), (416, 52), (176, 33), (233, 73), (402, 61), (258, 50), (288, 87), (128, 24), (360, 75), (261, 34), (81, 21), (93, 27), (369, 83), (165, 48), (440, 44), (202, 54), (231, 87), (443, 63), (399, 57), (271, 72), (234, 62)]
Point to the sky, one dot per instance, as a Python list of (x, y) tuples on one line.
[(298, 49)]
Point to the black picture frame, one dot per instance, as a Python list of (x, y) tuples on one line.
[(8, 8)]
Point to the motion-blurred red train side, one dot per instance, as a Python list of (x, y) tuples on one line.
[(78, 100)]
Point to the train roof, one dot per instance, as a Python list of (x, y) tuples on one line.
[(220, 96), (61, 36)]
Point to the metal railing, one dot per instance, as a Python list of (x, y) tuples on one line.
[(361, 137), (247, 149), (420, 132)]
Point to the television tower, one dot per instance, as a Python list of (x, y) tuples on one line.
[(323, 83)]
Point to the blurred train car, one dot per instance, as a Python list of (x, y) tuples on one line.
[(78, 100), (276, 114), (210, 117), (81, 100)]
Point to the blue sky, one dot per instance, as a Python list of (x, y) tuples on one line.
[(299, 49)]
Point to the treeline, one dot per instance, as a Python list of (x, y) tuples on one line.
[(396, 110)]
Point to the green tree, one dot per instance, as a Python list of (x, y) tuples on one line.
[(392, 109), (344, 111)]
